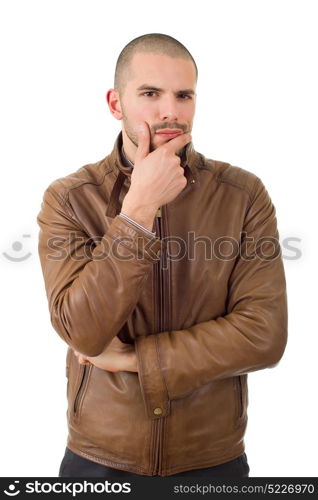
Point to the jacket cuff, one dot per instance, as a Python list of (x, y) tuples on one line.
[(135, 241), (152, 233), (153, 386)]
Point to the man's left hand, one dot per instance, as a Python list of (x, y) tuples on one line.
[(117, 357)]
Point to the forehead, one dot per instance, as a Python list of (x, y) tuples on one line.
[(161, 69)]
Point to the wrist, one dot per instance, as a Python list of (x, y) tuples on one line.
[(130, 364), (140, 214)]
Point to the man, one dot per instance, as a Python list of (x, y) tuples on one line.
[(164, 276)]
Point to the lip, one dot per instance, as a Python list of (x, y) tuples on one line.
[(169, 132)]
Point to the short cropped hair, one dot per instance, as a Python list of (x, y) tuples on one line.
[(157, 43)]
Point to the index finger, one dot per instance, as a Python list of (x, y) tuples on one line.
[(178, 142)]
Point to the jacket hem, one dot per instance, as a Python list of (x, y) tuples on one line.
[(201, 464), (141, 471), (107, 462)]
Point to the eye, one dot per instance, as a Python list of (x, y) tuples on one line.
[(149, 92), (187, 96)]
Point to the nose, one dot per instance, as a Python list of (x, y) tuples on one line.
[(168, 108)]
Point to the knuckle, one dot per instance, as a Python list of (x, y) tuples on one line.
[(183, 181)]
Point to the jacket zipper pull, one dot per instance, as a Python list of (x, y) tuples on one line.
[(158, 214)]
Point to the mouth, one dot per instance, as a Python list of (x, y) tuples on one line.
[(169, 133)]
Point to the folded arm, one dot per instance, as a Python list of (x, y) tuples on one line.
[(92, 288), (252, 335)]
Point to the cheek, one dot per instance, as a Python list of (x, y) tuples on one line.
[(144, 113), (188, 114), (143, 110), (138, 114)]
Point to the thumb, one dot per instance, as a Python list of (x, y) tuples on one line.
[(143, 136)]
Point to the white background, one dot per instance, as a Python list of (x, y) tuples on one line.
[(256, 108)]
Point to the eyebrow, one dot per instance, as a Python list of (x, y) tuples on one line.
[(151, 87)]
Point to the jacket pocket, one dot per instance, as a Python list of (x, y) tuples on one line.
[(241, 397), (82, 380), (67, 369)]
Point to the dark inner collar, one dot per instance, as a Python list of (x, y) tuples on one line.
[(126, 162)]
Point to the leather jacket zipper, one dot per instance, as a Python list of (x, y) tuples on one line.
[(158, 423)]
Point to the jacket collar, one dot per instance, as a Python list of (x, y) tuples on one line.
[(189, 160)]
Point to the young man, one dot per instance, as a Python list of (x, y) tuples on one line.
[(164, 276)]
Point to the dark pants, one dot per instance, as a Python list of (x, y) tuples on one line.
[(74, 465)]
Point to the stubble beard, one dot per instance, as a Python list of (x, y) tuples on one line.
[(134, 139)]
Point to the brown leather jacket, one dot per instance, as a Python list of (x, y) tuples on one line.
[(204, 302)]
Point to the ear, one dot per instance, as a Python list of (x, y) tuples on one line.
[(113, 101)]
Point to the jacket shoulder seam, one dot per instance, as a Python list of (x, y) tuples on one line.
[(63, 196), (97, 183), (249, 189), (63, 203), (223, 171)]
